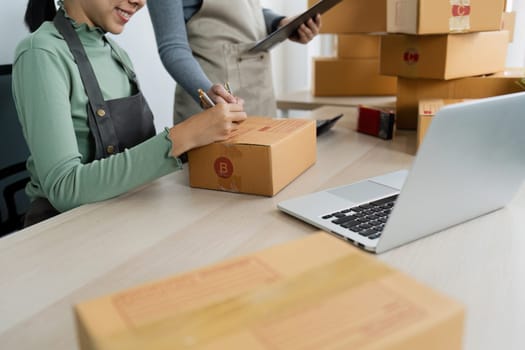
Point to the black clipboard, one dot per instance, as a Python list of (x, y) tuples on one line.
[(287, 30), (323, 125)]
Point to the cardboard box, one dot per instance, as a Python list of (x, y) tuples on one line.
[(358, 45), (427, 110), (441, 17), (508, 22), (314, 293), (350, 77), (354, 16), (411, 91), (262, 157), (447, 56)]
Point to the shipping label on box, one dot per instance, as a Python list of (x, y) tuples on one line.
[(350, 77), (411, 91), (329, 295), (446, 56), (441, 17), (262, 157), (427, 110)]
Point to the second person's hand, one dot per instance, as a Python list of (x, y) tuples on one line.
[(306, 31)]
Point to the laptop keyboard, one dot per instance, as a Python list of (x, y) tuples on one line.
[(366, 219)]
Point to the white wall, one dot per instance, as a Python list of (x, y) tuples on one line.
[(516, 51), (291, 68), (12, 28), (292, 62)]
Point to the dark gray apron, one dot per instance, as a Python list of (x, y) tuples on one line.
[(114, 124)]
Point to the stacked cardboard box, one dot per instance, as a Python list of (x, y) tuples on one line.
[(426, 111), (449, 44), (412, 91), (354, 71), (430, 46), (354, 16)]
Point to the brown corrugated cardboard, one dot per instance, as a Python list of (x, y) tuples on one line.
[(411, 91), (354, 16), (441, 17), (262, 157), (427, 110), (508, 21), (446, 56), (358, 45), (350, 77), (313, 293)]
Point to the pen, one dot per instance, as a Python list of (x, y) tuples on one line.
[(227, 87), (205, 99)]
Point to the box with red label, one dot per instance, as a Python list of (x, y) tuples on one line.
[(262, 157), (441, 17), (445, 56), (427, 110), (354, 16), (411, 91), (317, 292)]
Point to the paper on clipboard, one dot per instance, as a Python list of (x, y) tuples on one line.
[(285, 31)]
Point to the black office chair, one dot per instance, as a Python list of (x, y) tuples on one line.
[(14, 206), (14, 152)]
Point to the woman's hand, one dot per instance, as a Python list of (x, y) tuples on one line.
[(219, 94), (306, 31), (214, 124)]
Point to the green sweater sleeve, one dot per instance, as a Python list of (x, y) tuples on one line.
[(59, 171)]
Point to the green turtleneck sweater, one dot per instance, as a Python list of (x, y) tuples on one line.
[(51, 104)]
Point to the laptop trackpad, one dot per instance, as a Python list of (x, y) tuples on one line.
[(364, 191)]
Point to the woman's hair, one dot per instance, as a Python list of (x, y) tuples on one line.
[(39, 11)]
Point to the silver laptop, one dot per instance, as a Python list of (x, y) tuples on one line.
[(472, 162)]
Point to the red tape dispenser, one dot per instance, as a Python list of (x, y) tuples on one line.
[(376, 122)]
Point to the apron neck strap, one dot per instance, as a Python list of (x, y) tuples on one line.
[(100, 111)]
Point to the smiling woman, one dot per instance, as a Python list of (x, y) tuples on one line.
[(109, 15), (87, 124)]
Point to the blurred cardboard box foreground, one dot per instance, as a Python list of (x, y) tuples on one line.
[(311, 293)]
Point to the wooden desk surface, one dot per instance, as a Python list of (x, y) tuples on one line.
[(303, 99), (166, 228)]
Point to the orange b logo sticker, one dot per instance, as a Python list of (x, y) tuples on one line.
[(223, 167)]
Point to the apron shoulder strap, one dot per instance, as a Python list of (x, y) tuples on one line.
[(100, 119)]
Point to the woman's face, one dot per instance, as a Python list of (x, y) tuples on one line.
[(110, 15)]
